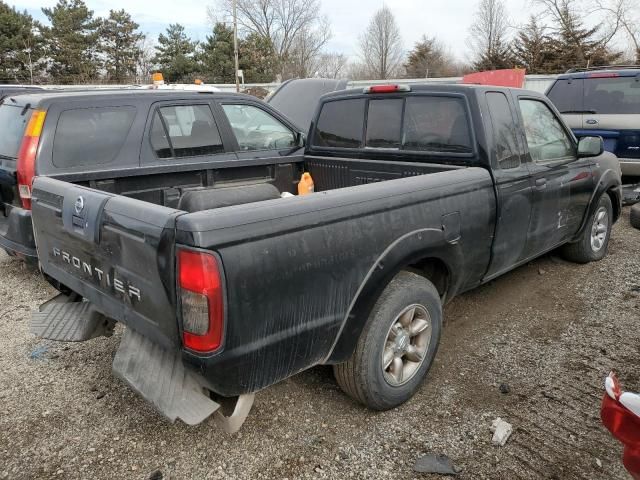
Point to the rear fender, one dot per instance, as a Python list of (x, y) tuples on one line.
[(408, 250)]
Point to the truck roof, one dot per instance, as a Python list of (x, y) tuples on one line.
[(448, 88), (45, 98)]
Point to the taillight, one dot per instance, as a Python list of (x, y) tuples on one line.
[(26, 166), (201, 299), (387, 89)]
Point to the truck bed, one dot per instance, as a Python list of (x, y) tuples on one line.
[(294, 268)]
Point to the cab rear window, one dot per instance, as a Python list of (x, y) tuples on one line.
[(91, 136), (13, 121), (425, 123)]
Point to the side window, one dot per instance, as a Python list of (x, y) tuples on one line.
[(340, 124), (504, 131), (185, 131), (255, 129), (436, 124), (546, 137), (566, 95), (91, 136), (384, 123)]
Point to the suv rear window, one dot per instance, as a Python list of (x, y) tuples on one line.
[(13, 121), (611, 95), (426, 123), (91, 136)]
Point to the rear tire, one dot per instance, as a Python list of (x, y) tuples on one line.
[(635, 216), (403, 333), (594, 241)]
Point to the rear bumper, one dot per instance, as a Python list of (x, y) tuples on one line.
[(630, 166), (16, 234)]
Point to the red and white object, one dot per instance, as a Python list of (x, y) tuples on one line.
[(620, 413)]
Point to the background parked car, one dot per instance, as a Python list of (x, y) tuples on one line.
[(605, 101), (146, 144)]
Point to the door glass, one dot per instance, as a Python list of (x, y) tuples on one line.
[(504, 129), (185, 131), (384, 123), (255, 129), (546, 137)]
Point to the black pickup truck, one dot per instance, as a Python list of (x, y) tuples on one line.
[(421, 193)]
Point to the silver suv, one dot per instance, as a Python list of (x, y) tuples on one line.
[(603, 101)]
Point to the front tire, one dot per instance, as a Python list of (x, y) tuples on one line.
[(594, 241), (397, 345)]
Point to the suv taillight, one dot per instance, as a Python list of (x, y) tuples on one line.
[(201, 300), (26, 166)]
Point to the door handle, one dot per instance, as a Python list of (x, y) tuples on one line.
[(541, 183)]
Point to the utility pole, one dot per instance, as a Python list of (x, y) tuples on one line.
[(235, 44)]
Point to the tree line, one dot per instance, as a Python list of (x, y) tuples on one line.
[(281, 39)]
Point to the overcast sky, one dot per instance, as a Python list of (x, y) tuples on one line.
[(448, 20)]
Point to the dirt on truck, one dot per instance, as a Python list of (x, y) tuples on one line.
[(421, 193)]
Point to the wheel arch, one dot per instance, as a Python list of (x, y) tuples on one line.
[(608, 184), (424, 252)]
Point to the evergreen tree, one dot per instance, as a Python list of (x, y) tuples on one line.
[(21, 46), (72, 42), (575, 45), (217, 62), (533, 48), (427, 59), (120, 45), (258, 59), (175, 54)]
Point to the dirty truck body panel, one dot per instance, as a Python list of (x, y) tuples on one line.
[(299, 275)]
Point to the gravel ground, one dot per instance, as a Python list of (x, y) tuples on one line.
[(550, 331)]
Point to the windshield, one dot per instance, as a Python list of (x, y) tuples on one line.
[(13, 120)]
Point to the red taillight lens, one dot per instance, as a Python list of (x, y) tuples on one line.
[(26, 165), (387, 89), (200, 289)]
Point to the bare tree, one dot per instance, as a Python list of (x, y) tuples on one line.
[(624, 14), (381, 48), (306, 51), (489, 36), (332, 65), (285, 23), (144, 62)]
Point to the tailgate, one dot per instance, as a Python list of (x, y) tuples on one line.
[(117, 252)]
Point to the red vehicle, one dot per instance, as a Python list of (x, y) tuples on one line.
[(620, 413)]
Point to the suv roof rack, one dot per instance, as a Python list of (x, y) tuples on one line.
[(603, 67)]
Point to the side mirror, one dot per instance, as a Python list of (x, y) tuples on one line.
[(301, 139), (590, 147)]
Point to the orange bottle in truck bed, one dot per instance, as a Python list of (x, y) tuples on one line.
[(305, 186)]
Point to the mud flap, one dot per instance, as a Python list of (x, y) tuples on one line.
[(65, 319), (159, 376)]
